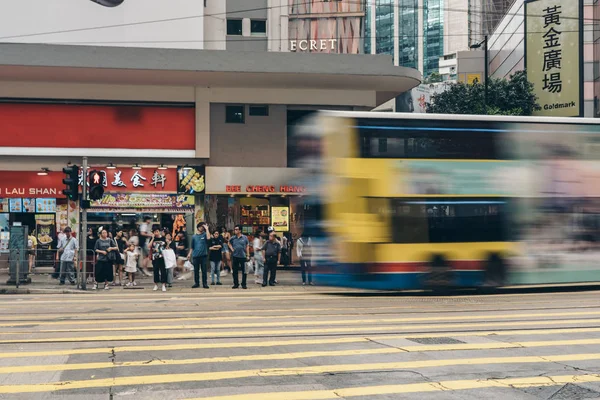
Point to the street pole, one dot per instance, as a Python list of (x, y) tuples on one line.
[(486, 72), (83, 233)]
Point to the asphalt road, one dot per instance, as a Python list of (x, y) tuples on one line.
[(300, 344)]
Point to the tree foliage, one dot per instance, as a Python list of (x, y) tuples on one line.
[(434, 77), (505, 97)]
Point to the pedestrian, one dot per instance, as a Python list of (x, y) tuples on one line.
[(157, 245), (144, 238), (170, 244), (31, 249), (259, 260), (181, 251), (121, 242), (304, 253), (272, 254), (198, 253), (131, 256), (68, 258), (240, 251), (104, 265), (285, 255), (226, 252), (215, 246)]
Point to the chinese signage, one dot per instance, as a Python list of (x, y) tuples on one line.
[(554, 55), (137, 180), (191, 180), (313, 45), (144, 200), (280, 219)]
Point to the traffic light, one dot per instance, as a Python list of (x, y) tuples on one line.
[(72, 182), (97, 179)]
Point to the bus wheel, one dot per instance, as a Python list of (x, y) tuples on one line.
[(439, 277), (495, 271)]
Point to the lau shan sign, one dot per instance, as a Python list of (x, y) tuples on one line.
[(553, 55)]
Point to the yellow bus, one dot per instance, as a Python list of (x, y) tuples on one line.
[(411, 201)]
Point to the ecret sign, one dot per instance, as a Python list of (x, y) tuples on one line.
[(313, 45)]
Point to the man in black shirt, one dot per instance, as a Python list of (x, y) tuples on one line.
[(272, 253), (215, 246)]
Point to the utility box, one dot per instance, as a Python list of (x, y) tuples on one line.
[(18, 255)]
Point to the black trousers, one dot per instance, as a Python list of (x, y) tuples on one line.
[(160, 272), (200, 264), (239, 264), (270, 267)]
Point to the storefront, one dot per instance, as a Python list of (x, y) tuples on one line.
[(35, 200), (134, 193), (255, 198)]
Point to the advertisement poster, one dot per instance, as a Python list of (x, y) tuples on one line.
[(191, 180), (46, 232), (143, 200), (45, 205), (16, 205), (4, 232), (280, 218), (553, 55), (4, 206), (28, 205)]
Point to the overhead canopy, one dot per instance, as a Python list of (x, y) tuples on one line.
[(206, 68)]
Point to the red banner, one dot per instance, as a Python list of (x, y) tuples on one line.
[(97, 126), (125, 180)]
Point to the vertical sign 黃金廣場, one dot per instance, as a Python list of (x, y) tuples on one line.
[(553, 55)]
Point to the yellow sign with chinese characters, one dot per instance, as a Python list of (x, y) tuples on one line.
[(474, 78), (553, 55)]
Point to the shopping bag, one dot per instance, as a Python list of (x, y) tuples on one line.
[(170, 259), (249, 267), (188, 265)]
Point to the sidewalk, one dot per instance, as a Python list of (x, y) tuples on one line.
[(289, 281)]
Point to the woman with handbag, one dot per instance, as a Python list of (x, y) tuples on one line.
[(106, 254)]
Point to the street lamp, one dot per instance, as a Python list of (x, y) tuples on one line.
[(486, 66)]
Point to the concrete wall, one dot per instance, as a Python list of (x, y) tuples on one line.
[(260, 142), (71, 20), (215, 25), (247, 10)]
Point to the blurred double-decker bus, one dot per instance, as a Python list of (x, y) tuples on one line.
[(413, 201)]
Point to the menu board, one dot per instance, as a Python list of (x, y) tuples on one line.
[(28, 205), (280, 218), (4, 206), (15, 205), (45, 205), (46, 232), (191, 180)]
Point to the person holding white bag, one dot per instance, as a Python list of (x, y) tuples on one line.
[(170, 258), (157, 246)]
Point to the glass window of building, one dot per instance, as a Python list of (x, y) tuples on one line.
[(258, 27), (433, 35), (234, 114), (234, 27)]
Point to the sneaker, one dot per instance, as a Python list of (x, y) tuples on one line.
[(212, 284), (164, 288), (303, 283), (134, 283), (223, 273), (235, 286), (206, 287), (244, 287), (263, 285), (311, 284), (219, 283), (181, 278), (106, 287), (155, 288), (95, 287), (129, 284), (195, 286)]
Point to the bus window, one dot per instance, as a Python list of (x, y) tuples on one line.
[(448, 221)]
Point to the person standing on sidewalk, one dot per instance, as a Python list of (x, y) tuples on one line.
[(104, 270), (199, 255), (144, 238), (68, 257), (272, 253), (304, 253), (170, 244), (215, 248), (259, 260), (240, 251), (157, 245)]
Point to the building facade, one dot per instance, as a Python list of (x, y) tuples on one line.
[(417, 32), (507, 50), (182, 135)]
